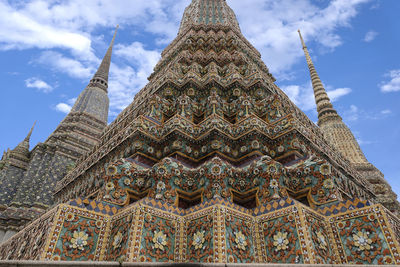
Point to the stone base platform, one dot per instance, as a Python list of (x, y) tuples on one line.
[(131, 234)]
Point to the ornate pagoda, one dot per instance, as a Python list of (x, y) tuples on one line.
[(212, 163)]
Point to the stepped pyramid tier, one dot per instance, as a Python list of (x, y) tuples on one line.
[(13, 164), (341, 137), (210, 94), (212, 163), (28, 178), (13, 167)]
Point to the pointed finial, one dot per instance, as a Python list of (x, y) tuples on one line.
[(324, 106), (30, 132), (23, 147), (302, 41), (104, 68), (115, 34)]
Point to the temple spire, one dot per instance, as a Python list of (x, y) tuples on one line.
[(28, 137), (330, 123), (23, 147), (340, 136), (19, 156), (325, 109), (104, 68), (94, 99), (302, 41)]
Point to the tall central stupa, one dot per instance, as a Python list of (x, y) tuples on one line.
[(212, 162)]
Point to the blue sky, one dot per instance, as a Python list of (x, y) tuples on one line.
[(50, 49)]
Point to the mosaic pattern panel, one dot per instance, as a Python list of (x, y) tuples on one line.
[(200, 237), (118, 240), (239, 237), (319, 234), (214, 233), (158, 236), (363, 237), (78, 235), (283, 237), (395, 224)]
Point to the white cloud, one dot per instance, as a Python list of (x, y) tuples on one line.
[(38, 84), (63, 107), (335, 94), (60, 63), (66, 107), (362, 142), (352, 114), (272, 26), (303, 96), (13, 73), (69, 24), (370, 36), (71, 101), (376, 5), (138, 56), (394, 84), (24, 30), (124, 83), (355, 113)]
